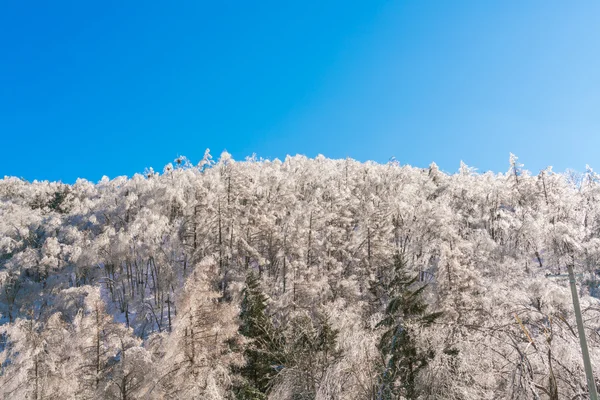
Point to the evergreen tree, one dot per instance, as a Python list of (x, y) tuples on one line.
[(403, 357), (262, 352)]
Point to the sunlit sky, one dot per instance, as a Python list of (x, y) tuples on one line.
[(109, 88)]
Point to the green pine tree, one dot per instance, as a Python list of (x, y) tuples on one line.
[(262, 352), (404, 359)]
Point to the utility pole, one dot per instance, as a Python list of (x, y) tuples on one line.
[(589, 374)]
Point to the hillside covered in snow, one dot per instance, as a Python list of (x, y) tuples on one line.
[(299, 279)]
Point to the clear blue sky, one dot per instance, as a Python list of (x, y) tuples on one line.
[(109, 88)]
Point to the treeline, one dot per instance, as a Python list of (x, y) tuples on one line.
[(298, 279)]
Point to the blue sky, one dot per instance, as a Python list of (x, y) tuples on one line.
[(109, 88)]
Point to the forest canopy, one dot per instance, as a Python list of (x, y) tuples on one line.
[(299, 279)]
